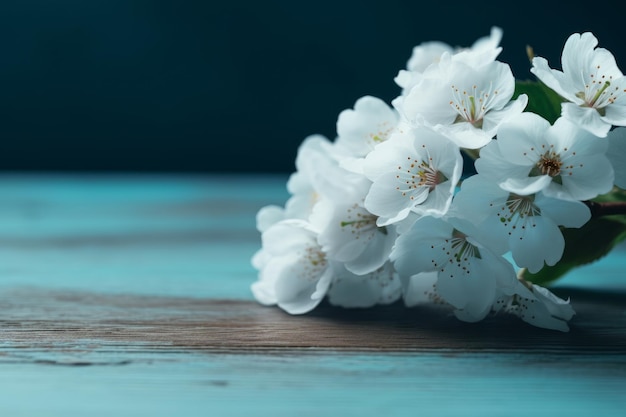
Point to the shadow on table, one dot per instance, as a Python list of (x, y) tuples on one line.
[(599, 325)]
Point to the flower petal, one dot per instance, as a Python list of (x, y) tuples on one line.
[(586, 117), (554, 79), (527, 185), (563, 212), (539, 241)]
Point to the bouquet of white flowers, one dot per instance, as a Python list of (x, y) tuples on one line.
[(470, 191)]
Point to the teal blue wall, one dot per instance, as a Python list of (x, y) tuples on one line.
[(170, 85)]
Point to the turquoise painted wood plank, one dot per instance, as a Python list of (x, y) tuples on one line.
[(129, 295), (176, 235), (56, 206), (154, 384)]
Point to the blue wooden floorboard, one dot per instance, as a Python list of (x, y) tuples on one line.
[(192, 237), (314, 385)]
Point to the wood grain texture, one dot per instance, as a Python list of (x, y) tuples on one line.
[(65, 319)]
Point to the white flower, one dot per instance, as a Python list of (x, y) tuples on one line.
[(349, 234), (293, 270), (537, 306), (468, 274), (269, 215), (484, 50), (528, 225), (381, 286), (563, 161), (426, 54), (317, 174), (370, 122), (591, 82), (414, 171), (617, 155), (464, 102), (489, 44), (420, 289)]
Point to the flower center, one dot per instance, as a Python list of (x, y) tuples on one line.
[(429, 176), (550, 164), (462, 250), (518, 207), (522, 205), (383, 133), (315, 257), (518, 214), (418, 175), (456, 256), (471, 105), (364, 222), (599, 91)]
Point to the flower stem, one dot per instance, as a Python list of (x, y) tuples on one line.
[(599, 209)]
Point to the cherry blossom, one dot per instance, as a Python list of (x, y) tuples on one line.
[(465, 102), (381, 286), (526, 225), (416, 170), (360, 129), (468, 273), (317, 170), (537, 306), (349, 234), (293, 270), (426, 54), (591, 82), (562, 160)]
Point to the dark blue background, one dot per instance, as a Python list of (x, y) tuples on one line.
[(229, 87)]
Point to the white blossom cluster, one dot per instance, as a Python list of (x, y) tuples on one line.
[(385, 213)]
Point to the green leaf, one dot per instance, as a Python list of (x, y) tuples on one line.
[(541, 100), (582, 246), (616, 195)]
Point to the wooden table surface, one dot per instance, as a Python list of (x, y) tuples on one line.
[(128, 295)]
